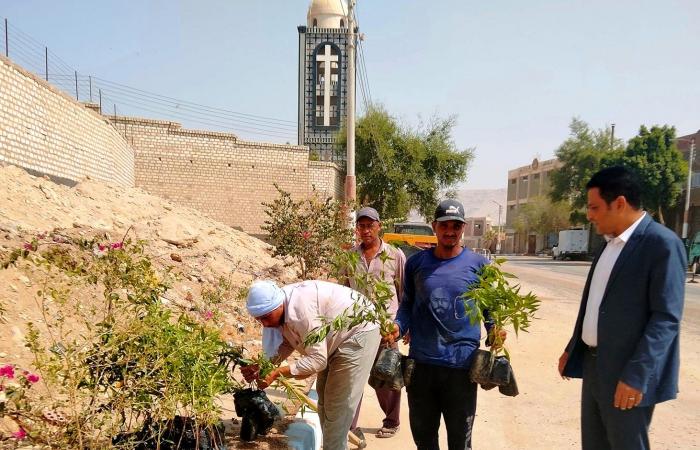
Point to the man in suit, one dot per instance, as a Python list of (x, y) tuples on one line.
[(625, 343)]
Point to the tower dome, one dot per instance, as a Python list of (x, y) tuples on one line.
[(327, 14)]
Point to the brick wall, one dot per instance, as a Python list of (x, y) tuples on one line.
[(218, 174), (328, 178), (44, 130)]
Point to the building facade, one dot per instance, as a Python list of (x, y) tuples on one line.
[(323, 66), (524, 184), (674, 220), (475, 230)]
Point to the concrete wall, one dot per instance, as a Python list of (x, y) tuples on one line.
[(46, 131), (216, 173)]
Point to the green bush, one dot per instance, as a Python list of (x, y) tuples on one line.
[(311, 231), (122, 362)]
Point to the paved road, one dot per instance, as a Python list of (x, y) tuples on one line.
[(546, 413), (580, 269)]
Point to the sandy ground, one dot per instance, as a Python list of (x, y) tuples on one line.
[(546, 413)]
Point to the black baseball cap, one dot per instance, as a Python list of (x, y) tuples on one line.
[(367, 212), (449, 210)]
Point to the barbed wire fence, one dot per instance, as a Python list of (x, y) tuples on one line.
[(115, 99)]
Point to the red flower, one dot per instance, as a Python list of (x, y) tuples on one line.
[(117, 245), (19, 434), (102, 247), (208, 315), (306, 235), (28, 246), (32, 378), (7, 371)]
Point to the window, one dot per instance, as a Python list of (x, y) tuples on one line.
[(513, 180), (342, 23), (536, 176), (315, 24)]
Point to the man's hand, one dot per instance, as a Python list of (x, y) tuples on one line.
[(250, 373), (627, 397), (392, 336), (262, 384), (497, 337), (406, 338), (562, 363)]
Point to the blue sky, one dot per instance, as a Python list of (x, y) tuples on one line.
[(514, 72)]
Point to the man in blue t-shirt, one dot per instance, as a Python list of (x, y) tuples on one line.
[(442, 338)]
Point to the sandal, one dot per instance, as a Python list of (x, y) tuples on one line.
[(387, 432)]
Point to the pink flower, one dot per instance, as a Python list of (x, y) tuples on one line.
[(7, 371), (32, 378), (102, 247), (28, 246), (117, 245), (208, 315), (306, 234), (19, 434)]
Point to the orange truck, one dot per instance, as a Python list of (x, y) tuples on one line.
[(411, 237)]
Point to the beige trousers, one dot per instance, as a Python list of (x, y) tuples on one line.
[(341, 384)]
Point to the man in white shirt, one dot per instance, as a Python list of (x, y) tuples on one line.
[(625, 342), (342, 360)]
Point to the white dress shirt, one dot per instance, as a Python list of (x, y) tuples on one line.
[(599, 282)]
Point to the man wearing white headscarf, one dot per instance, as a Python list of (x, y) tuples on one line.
[(342, 360)]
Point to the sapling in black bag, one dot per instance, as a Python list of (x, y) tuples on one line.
[(491, 371), (257, 411), (388, 370), (388, 364)]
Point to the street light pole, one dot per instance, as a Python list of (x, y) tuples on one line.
[(498, 236), (350, 189), (686, 211)]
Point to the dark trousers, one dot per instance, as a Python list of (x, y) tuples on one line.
[(604, 427), (440, 391)]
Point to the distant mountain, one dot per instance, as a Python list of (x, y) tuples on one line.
[(479, 203)]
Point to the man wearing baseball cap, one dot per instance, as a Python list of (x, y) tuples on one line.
[(442, 338), (385, 262)]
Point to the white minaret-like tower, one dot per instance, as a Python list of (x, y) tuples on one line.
[(323, 78)]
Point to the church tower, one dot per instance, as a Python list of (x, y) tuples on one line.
[(322, 78)]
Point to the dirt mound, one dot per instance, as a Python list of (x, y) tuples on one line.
[(204, 256)]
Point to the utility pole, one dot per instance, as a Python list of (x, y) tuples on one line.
[(498, 236), (686, 211), (612, 137), (350, 185)]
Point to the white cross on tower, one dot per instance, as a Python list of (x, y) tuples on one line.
[(326, 58)]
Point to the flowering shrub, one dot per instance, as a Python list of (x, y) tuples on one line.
[(14, 402), (122, 365), (310, 230)]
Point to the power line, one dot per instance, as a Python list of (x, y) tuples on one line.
[(194, 118), (211, 108), (33, 55)]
